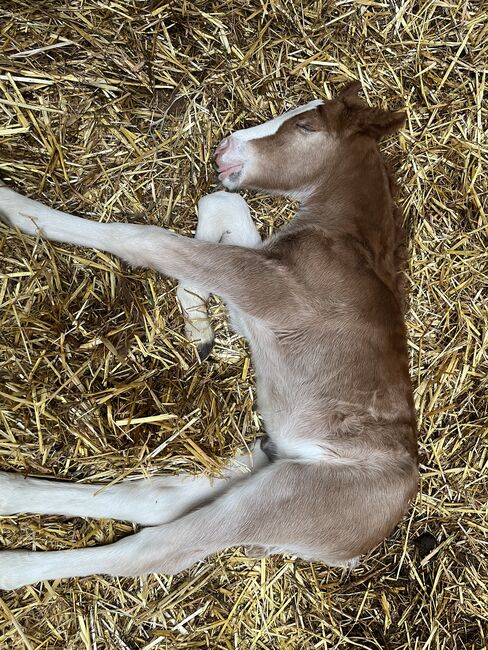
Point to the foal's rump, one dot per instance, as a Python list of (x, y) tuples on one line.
[(319, 511), (341, 511)]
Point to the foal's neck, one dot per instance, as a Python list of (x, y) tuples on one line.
[(354, 195)]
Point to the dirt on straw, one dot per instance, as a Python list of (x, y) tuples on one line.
[(111, 110)]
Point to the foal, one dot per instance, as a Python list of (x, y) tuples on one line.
[(321, 306)]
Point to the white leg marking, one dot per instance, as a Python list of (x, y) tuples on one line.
[(148, 502), (188, 260), (32, 218), (222, 217), (19, 568), (168, 548), (148, 551)]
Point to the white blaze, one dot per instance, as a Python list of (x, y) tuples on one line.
[(270, 127)]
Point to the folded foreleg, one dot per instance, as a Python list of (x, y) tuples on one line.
[(240, 275), (222, 217)]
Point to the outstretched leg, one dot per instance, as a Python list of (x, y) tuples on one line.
[(244, 513), (243, 277), (147, 501), (323, 512), (222, 218)]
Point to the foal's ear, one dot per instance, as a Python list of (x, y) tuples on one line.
[(349, 94), (374, 122), (377, 123)]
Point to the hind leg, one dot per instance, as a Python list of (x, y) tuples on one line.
[(147, 501), (284, 507), (246, 511)]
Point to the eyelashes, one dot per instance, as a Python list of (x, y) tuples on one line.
[(305, 128)]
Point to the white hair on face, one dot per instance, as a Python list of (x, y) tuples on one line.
[(270, 127)]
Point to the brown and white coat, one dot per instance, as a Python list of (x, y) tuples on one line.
[(321, 304)]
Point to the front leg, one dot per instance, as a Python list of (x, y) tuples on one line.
[(247, 278), (222, 217)]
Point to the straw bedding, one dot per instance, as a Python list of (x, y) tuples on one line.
[(111, 110)]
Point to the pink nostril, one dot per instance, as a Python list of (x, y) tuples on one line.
[(222, 146)]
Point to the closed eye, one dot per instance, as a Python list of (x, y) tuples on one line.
[(306, 128)]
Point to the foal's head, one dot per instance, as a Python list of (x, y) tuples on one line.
[(290, 154)]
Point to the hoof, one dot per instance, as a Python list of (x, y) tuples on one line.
[(204, 349)]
